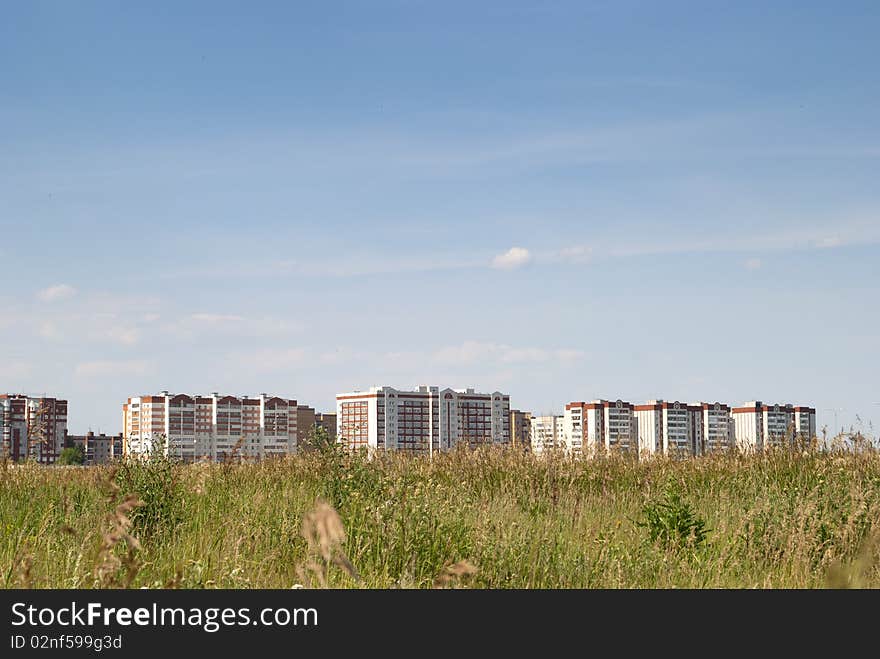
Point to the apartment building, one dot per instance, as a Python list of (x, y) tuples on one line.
[(716, 427), (210, 427), (758, 425), (521, 430), (327, 421), (97, 449), (667, 428), (32, 427), (805, 422), (423, 420), (547, 433), (600, 425), (305, 421)]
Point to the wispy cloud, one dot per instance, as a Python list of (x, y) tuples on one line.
[(474, 352), (15, 369), (127, 336), (194, 325), (348, 266), (267, 359), (216, 318), (576, 254), (106, 368), (56, 292), (796, 237), (515, 257), (49, 330)]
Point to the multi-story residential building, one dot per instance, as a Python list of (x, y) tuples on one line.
[(805, 422), (716, 427), (327, 421), (520, 430), (97, 449), (758, 425), (601, 425), (32, 427), (422, 421), (547, 433), (210, 427), (305, 421), (668, 428)]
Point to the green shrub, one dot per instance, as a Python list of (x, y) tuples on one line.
[(154, 480), (672, 521), (71, 455)]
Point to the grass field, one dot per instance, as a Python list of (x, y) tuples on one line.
[(485, 519)]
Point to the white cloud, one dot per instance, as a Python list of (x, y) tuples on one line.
[(268, 359), (569, 355), (515, 257), (16, 369), (194, 325), (753, 264), (49, 330), (472, 352), (57, 292), (111, 368), (828, 241), (216, 318), (576, 253), (127, 336)]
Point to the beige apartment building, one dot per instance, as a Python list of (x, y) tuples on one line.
[(668, 428), (758, 425), (600, 425), (422, 421), (211, 427), (547, 433)]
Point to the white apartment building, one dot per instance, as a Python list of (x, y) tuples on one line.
[(758, 425), (668, 428), (32, 427), (547, 433), (423, 420), (805, 422), (716, 428), (600, 425), (210, 427)]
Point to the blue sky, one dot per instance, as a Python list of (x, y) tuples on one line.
[(563, 201)]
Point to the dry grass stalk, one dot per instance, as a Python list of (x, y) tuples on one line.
[(25, 577), (855, 574), (452, 575), (108, 563), (323, 531)]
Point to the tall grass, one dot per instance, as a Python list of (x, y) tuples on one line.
[(484, 518)]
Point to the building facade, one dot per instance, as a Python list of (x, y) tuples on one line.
[(600, 425), (668, 428), (194, 427), (805, 422), (521, 430), (758, 425), (715, 427), (327, 421), (305, 422), (32, 427), (422, 421), (547, 433), (97, 449)]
